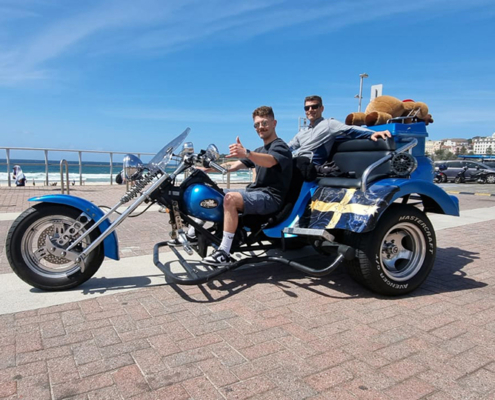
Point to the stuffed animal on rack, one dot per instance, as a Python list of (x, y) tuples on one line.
[(383, 108)]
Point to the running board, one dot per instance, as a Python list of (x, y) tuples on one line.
[(194, 276), (321, 233)]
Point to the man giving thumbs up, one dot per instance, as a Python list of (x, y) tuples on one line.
[(273, 164)]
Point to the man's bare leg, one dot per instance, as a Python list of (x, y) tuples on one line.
[(232, 205)]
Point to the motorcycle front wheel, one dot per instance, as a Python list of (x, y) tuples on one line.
[(28, 238), (398, 255)]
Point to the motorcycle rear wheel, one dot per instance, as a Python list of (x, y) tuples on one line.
[(397, 256), (27, 238)]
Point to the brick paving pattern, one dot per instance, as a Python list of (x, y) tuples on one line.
[(263, 333)]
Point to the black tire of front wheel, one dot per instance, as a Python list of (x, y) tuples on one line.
[(443, 179), (458, 179), (32, 277), (369, 269)]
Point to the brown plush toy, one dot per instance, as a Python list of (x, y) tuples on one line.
[(383, 108)]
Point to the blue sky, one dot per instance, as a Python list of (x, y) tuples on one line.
[(128, 75)]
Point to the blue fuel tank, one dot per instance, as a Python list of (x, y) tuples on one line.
[(203, 202)]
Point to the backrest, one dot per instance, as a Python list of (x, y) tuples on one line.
[(355, 155), (302, 170)]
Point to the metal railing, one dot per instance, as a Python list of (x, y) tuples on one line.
[(225, 179), (47, 163)]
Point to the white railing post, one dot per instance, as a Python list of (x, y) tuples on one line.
[(46, 168), (7, 151), (66, 164), (111, 168), (80, 168)]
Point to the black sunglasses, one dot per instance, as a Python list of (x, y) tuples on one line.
[(312, 107)]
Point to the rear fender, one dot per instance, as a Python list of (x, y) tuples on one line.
[(111, 243), (434, 198)]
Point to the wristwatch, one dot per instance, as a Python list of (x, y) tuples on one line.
[(248, 153)]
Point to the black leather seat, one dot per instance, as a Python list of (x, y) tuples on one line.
[(353, 157)]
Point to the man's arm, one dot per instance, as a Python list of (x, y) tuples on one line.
[(263, 160), (380, 134), (294, 143), (358, 131), (234, 166)]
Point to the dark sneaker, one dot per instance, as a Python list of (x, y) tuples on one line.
[(193, 240), (219, 258)]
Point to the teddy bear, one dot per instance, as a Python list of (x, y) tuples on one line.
[(383, 108)]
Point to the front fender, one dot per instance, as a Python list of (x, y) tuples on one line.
[(434, 198), (111, 243)]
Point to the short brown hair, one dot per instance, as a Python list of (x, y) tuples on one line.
[(264, 111), (314, 98)]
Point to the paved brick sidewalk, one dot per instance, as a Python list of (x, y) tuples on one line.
[(268, 333)]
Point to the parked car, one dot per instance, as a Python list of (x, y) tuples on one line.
[(490, 164), (454, 167)]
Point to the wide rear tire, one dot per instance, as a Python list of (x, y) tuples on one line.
[(397, 256), (29, 234)]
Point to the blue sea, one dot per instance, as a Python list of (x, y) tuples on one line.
[(92, 172)]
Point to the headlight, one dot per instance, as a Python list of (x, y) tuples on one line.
[(133, 167), (187, 148)]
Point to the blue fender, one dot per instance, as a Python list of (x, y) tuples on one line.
[(111, 243), (443, 202)]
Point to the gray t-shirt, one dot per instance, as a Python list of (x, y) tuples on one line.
[(275, 180), (320, 137)]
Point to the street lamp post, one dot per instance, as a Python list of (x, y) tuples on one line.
[(360, 96)]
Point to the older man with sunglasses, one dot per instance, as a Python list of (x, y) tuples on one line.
[(317, 139)]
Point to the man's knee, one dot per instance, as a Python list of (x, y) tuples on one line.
[(233, 200)]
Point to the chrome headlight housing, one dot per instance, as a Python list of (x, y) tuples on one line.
[(133, 167), (187, 148)]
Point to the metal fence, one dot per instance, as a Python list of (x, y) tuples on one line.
[(63, 163), (47, 163)]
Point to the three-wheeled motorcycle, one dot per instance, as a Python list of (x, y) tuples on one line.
[(372, 217)]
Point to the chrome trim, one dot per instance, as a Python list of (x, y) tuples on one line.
[(367, 171)]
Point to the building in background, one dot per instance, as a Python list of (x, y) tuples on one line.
[(484, 145), (456, 146), (432, 145)]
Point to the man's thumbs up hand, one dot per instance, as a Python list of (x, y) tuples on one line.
[(237, 150)]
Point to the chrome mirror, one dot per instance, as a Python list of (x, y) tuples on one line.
[(212, 152), (187, 148), (133, 167)]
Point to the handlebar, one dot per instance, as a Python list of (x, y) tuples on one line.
[(220, 169)]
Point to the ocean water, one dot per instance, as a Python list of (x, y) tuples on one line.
[(92, 172)]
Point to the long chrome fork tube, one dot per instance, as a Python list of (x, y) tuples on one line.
[(123, 216)]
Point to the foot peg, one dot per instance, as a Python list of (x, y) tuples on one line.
[(185, 243)]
